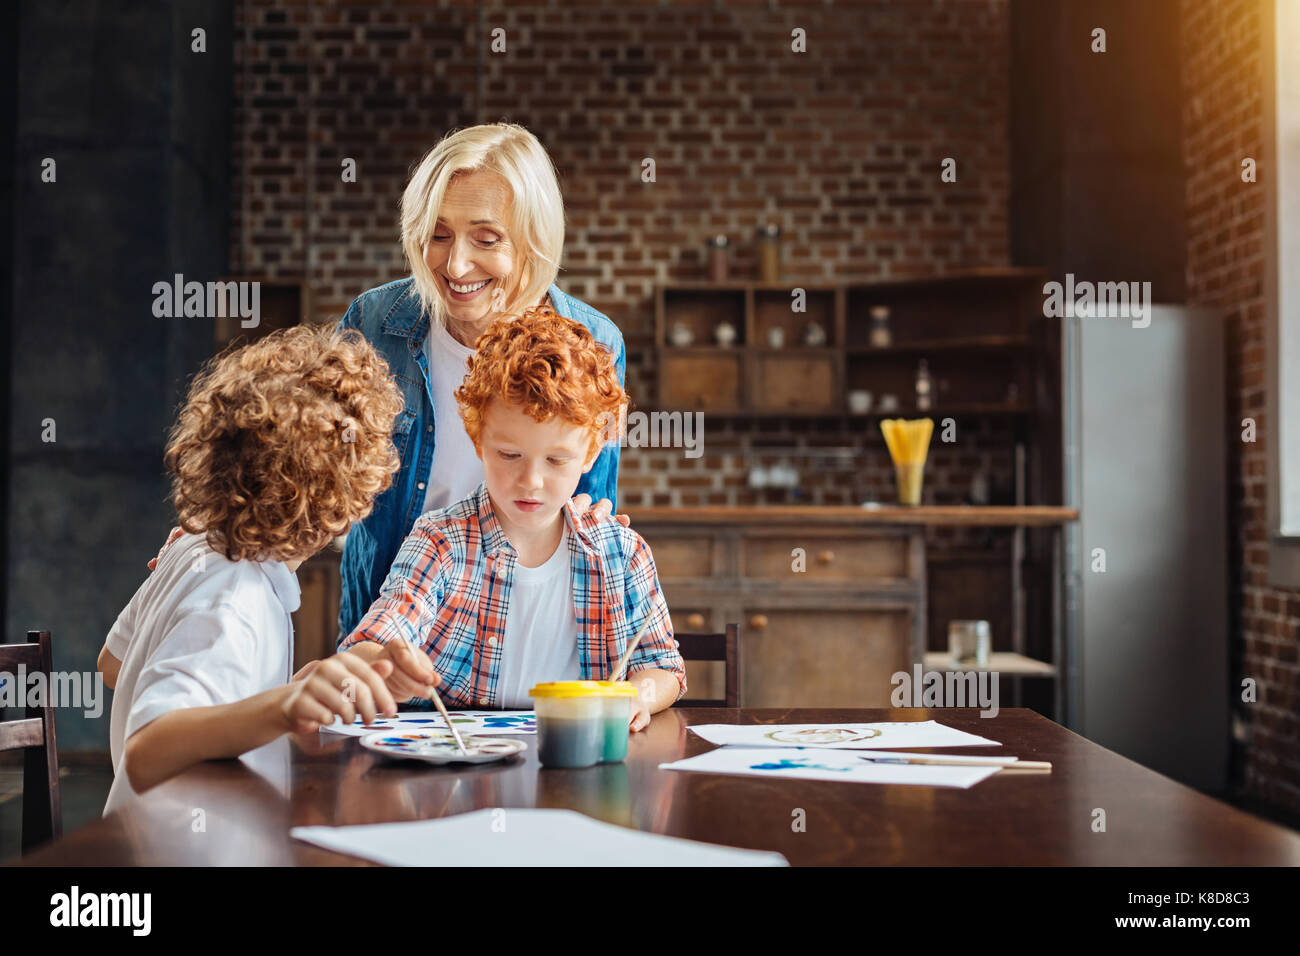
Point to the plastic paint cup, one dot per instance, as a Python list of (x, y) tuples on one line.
[(617, 718), (570, 723)]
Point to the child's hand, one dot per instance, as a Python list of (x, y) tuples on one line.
[(412, 672), (343, 684), (304, 671), (640, 715)]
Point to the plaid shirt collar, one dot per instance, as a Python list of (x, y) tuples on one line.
[(580, 526)]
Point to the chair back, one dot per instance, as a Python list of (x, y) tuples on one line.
[(714, 647), (33, 733)]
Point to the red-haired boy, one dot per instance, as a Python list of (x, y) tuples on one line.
[(510, 587)]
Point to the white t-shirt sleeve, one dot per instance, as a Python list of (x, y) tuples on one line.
[(210, 657), (123, 629)]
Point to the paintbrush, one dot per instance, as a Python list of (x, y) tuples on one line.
[(944, 760), (627, 654), (442, 709)]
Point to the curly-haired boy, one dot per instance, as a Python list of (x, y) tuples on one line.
[(280, 446)]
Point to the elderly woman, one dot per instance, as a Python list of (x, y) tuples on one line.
[(482, 228)]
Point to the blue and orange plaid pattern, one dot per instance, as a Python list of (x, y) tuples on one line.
[(448, 594)]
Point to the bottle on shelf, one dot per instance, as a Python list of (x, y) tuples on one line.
[(881, 337), (924, 387), (769, 253), (718, 258)]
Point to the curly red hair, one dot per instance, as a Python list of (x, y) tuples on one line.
[(547, 366), (283, 443)]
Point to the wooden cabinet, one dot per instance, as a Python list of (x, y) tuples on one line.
[(839, 654), (799, 348), (818, 557), (702, 380), (806, 380), (827, 615), (750, 372)]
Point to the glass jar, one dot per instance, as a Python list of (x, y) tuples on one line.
[(881, 337)]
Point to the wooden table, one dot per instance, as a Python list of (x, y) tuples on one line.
[(1009, 819)]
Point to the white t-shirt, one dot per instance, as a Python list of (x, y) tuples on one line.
[(541, 629), (456, 470), (202, 630)]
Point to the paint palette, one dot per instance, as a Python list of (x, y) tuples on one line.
[(490, 723), (439, 747)]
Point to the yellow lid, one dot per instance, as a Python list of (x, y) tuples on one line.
[(568, 688), (616, 688)]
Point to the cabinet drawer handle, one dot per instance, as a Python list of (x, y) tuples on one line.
[(695, 620), (825, 557), (758, 622)]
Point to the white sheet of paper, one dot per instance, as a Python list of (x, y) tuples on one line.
[(846, 767), (488, 722), (523, 837), (887, 735)]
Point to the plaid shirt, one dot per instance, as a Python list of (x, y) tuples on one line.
[(448, 593)]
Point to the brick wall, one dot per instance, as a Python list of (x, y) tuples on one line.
[(840, 145), (1223, 85)]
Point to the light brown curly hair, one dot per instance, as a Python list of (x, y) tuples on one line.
[(283, 443), (546, 365)]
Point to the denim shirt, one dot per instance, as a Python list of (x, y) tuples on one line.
[(392, 321)]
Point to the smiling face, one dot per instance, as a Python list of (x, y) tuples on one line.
[(532, 468), (471, 251)]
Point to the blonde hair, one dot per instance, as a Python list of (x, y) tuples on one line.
[(536, 225)]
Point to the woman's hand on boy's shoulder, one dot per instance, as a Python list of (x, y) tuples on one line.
[(176, 533), (345, 685), (601, 509)]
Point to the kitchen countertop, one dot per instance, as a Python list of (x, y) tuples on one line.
[(949, 515)]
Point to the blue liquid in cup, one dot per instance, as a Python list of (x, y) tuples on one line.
[(570, 743)]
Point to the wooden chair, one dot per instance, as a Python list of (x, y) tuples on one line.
[(42, 807), (714, 647)]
